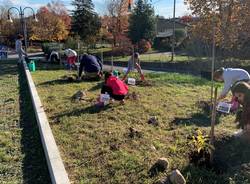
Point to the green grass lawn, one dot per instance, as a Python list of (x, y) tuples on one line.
[(95, 143), (153, 57), (21, 154)]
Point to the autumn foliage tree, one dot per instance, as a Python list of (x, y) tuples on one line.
[(59, 9), (117, 20), (229, 17), (49, 28), (8, 31), (186, 19)]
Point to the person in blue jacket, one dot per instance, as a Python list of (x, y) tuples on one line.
[(92, 66)]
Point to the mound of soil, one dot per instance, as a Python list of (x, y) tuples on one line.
[(200, 159), (205, 106), (134, 133), (79, 95), (70, 78), (160, 165), (133, 96), (153, 121)]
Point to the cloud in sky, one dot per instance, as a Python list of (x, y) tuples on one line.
[(24, 3), (166, 10)]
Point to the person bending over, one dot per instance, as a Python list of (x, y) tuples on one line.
[(71, 57), (230, 76), (54, 57), (134, 61), (92, 67), (115, 87)]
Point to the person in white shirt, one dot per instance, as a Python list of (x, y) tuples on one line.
[(134, 61), (71, 57), (230, 76), (54, 56), (19, 49)]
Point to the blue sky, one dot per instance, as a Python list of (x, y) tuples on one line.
[(162, 7)]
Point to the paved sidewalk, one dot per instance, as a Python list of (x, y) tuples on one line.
[(15, 56)]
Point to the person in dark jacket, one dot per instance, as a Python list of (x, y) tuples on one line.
[(92, 67)]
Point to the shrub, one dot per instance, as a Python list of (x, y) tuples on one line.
[(144, 46), (48, 47), (71, 43), (119, 51), (201, 149), (124, 47), (162, 44), (165, 43)]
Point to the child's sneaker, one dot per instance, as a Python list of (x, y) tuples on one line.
[(122, 102)]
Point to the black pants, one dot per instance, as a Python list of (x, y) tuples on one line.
[(89, 76), (107, 89), (54, 58)]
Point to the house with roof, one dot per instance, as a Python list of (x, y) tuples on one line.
[(164, 27), (164, 30)]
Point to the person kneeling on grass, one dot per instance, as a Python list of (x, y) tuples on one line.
[(241, 90), (115, 87), (54, 57), (134, 61), (92, 66), (230, 76), (71, 58)]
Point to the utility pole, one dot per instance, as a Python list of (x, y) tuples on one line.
[(173, 37)]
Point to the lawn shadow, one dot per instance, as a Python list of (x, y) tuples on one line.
[(93, 109), (8, 67), (34, 164), (71, 80), (98, 86), (200, 119), (57, 82), (231, 154)]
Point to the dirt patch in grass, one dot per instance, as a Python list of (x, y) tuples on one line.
[(116, 144)]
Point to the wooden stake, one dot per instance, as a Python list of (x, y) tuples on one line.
[(213, 59), (213, 118), (112, 63)]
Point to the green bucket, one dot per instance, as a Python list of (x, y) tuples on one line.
[(32, 66), (116, 73)]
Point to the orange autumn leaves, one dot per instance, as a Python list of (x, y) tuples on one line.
[(51, 26), (230, 18)]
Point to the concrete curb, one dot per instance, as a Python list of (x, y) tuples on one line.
[(57, 170)]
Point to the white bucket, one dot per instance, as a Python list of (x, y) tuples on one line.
[(224, 107), (105, 98), (131, 81)]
